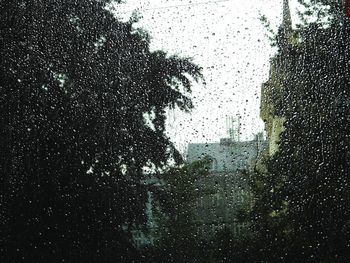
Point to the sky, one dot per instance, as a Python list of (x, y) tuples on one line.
[(227, 39)]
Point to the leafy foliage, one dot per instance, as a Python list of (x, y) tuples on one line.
[(179, 240), (302, 205), (329, 12), (75, 86)]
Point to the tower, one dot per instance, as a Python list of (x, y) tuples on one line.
[(286, 28), (286, 18), (273, 90), (233, 126)]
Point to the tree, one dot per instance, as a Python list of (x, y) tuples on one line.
[(82, 112), (316, 139), (177, 220), (332, 12), (303, 200)]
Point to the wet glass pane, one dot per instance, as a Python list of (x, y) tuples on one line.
[(174, 131)]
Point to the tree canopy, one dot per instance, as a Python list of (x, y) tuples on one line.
[(178, 224), (302, 202), (332, 12), (82, 112)]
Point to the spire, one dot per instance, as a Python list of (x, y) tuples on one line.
[(287, 19)]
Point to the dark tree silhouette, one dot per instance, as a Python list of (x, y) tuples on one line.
[(302, 208), (313, 164), (75, 87)]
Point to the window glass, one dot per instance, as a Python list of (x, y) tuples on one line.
[(174, 131)]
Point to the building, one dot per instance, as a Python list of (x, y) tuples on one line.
[(225, 190), (221, 193), (273, 89)]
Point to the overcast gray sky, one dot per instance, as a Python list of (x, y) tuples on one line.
[(227, 39)]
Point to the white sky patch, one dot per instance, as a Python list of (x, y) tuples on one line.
[(228, 40)]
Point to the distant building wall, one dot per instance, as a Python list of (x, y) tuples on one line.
[(228, 155), (225, 190)]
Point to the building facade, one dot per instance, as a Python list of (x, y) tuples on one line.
[(273, 89), (225, 190)]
